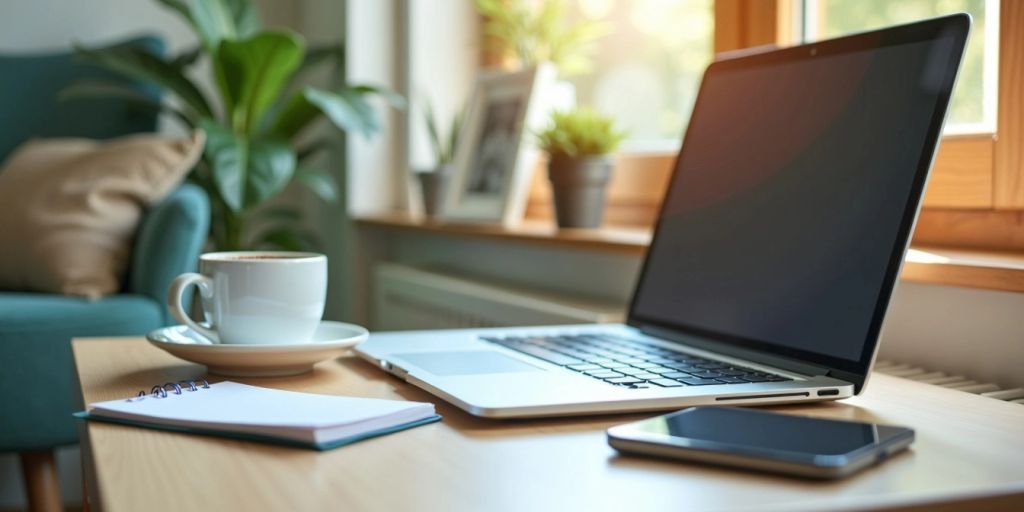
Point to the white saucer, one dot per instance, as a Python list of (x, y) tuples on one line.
[(330, 340)]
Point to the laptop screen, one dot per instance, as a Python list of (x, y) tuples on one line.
[(795, 191)]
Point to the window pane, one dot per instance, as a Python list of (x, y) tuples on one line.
[(647, 70), (973, 105)]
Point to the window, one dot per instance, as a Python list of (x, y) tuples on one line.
[(646, 71), (976, 194), (973, 107)]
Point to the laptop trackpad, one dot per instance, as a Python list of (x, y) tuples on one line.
[(466, 362)]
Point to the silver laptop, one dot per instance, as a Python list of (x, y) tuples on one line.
[(773, 260)]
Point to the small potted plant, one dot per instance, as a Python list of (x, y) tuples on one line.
[(434, 182), (579, 144)]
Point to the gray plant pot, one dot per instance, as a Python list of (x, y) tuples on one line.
[(433, 185), (579, 189)]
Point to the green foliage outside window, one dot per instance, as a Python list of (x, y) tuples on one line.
[(840, 17)]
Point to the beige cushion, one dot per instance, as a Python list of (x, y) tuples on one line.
[(70, 207)]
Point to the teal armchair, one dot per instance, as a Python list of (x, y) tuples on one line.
[(37, 383)]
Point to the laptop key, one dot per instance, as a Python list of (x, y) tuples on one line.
[(661, 370), (732, 380), (711, 366), (614, 364), (693, 381), (734, 372), (547, 355), (707, 374), (686, 368), (630, 370), (604, 374), (676, 375), (661, 360), (583, 367), (754, 378), (667, 383), (647, 376), (632, 360), (624, 380)]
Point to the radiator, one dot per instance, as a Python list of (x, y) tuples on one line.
[(406, 297), (957, 382)]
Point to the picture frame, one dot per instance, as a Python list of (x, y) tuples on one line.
[(497, 151)]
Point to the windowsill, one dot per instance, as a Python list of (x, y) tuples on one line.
[(953, 267)]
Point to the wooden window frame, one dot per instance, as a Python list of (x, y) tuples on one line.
[(975, 198)]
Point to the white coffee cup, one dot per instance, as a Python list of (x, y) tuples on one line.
[(255, 297)]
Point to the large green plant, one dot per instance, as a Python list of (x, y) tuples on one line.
[(251, 152)]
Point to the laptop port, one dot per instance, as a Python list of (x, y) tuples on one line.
[(828, 392)]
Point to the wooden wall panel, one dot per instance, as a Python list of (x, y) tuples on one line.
[(962, 176), (1009, 151), (976, 229)]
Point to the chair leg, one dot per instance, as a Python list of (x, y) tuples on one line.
[(40, 472)]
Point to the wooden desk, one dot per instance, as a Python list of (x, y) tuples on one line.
[(969, 455)]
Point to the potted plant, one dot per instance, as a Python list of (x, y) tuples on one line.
[(525, 34), (433, 183), (530, 36), (252, 150), (579, 144)]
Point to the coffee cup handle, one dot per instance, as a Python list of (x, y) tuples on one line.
[(178, 311)]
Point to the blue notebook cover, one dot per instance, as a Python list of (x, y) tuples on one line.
[(259, 437)]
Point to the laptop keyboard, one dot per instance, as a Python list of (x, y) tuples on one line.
[(631, 363)]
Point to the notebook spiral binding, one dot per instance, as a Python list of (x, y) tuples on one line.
[(160, 391)]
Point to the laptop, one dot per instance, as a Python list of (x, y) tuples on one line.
[(775, 254)]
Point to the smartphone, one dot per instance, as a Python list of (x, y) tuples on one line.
[(762, 440)]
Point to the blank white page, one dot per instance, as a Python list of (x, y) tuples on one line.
[(231, 403)]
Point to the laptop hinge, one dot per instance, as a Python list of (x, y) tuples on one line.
[(757, 356)]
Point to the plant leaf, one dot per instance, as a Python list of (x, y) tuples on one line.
[(315, 56), (453, 136), (179, 7), (227, 156), (88, 89), (391, 97), (271, 165), (187, 58), (246, 17), (139, 64), (252, 73), (320, 182), (295, 116), (347, 109), (434, 132), (213, 22)]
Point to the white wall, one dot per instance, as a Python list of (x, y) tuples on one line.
[(976, 333), (444, 57)]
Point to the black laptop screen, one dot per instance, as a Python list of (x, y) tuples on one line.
[(793, 194)]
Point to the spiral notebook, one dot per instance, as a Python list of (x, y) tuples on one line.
[(240, 411)]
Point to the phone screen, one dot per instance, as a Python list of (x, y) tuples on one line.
[(760, 430)]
